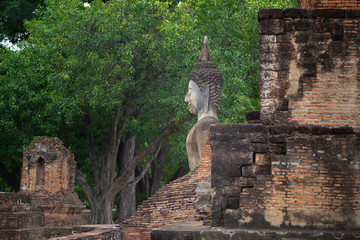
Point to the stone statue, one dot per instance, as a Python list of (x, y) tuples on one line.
[(205, 84)]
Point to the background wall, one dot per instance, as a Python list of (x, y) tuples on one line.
[(309, 67)]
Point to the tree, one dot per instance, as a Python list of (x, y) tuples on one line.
[(107, 75), (12, 15), (23, 113), (97, 76)]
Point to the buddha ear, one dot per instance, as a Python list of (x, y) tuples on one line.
[(205, 90)]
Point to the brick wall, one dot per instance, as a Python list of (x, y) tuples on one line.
[(309, 67), (285, 176), (171, 204), (313, 184), (235, 163), (299, 168), (327, 4)]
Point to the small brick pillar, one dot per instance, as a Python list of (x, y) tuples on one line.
[(48, 168), (48, 176)]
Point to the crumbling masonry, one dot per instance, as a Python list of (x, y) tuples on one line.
[(294, 170), (300, 167), (47, 204)]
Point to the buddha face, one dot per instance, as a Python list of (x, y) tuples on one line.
[(194, 98)]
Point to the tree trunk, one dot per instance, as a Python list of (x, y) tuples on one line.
[(101, 212), (106, 207), (143, 185), (156, 169), (126, 206), (101, 196)]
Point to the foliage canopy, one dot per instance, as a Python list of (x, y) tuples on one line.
[(97, 74)]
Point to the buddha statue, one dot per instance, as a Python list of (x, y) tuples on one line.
[(205, 84)]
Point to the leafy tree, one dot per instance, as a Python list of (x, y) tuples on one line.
[(23, 113), (12, 15), (96, 76), (107, 76)]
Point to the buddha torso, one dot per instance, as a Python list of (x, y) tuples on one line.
[(196, 140)]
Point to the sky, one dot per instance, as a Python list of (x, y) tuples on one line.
[(9, 44)]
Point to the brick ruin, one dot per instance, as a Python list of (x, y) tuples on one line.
[(299, 168), (309, 64), (292, 172), (46, 204), (185, 199)]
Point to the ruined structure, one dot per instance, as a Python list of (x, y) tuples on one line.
[(180, 200), (47, 204), (294, 170), (300, 168)]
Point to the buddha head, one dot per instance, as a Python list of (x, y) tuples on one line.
[(205, 84)]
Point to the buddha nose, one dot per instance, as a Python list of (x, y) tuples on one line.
[(186, 100)]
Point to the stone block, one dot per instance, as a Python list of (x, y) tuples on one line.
[(272, 26), (231, 219), (289, 26), (302, 24), (321, 25), (277, 139), (215, 235), (262, 160), (276, 148), (243, 181), (342, 130), (254, 170), (252, 115), (258, 137), (233, 203), (270, 14), (321, 37), (316, 130), (296, 13), (284, 38), (352, 14), (302, 37), (337, 47)]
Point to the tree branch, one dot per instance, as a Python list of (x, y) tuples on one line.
[(107, 168), (85, 186), (147, 165), (95, 164), (121, 180)]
